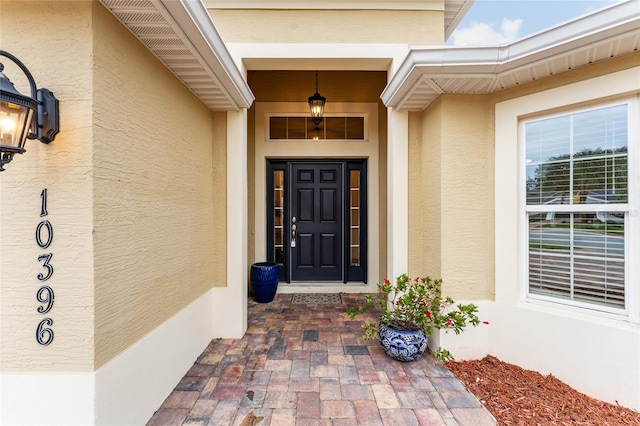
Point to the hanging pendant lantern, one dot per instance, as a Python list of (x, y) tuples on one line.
[(316, 105)]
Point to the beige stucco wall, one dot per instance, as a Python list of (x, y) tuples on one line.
[(425, 202), (329, 26), (219, 199), (136, 192), (64, 168), (467, 197), (452, 210), (154, 191)]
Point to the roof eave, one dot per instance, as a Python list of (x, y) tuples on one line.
[(488, 67), (194, 19), (203, 63)]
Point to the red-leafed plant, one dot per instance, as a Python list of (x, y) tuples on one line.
[(417, 304)]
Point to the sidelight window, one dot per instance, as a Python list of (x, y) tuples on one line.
[(278, 216), (354, 223)]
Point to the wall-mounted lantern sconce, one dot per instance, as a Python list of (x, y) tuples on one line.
[(316, 104), (23, 117)]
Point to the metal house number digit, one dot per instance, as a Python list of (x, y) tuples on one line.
[(47, 266), (43, 209), (44, 295), (47, 225)]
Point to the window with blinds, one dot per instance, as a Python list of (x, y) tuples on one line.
[(577, 203)]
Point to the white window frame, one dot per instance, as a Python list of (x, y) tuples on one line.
[(632, 219)]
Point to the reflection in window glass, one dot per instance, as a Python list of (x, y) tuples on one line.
[(315, 132), (579, 158)]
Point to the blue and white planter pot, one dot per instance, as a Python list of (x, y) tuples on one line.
[(402, 345)]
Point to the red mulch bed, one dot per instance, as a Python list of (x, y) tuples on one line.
[(523, 397)]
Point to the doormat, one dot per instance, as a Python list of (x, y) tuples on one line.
[(316, 298)]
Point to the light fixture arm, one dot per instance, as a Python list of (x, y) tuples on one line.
[(25, 70)]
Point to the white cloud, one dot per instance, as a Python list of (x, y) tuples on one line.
[(480, 34)]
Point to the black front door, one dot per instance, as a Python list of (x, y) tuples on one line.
[(316, 222)]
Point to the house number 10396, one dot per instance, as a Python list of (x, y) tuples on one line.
[(44, 295)]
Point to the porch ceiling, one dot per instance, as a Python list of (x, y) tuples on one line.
[(182, 36), (428, 72)]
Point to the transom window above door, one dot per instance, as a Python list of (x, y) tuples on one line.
[(330, 128)]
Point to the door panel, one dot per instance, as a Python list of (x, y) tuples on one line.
[(304, 203), (328, 250), (316, 192)]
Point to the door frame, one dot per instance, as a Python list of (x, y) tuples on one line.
[(369, 149), (350, 272)]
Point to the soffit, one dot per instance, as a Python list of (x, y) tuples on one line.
[(428, 72), (182, 36)]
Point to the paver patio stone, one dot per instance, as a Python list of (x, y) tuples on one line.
[(367, 413), (306, 365), (338, 409)]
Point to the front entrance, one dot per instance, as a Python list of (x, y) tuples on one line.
[(316, 222), (316, 227)]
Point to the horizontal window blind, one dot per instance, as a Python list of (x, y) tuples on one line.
[(580, 161), (577, 257)]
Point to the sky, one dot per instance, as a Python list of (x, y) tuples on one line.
[(493, 22)]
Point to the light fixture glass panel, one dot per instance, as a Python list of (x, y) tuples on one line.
[(14, 121)]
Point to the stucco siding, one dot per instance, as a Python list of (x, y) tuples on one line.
[(467, 197), (417, 257), (329, 26), (219, 199), (450, 212), (428, 250), (63, 168), (153, 191)]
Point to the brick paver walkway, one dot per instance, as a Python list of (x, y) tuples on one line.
[(305, 364)]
